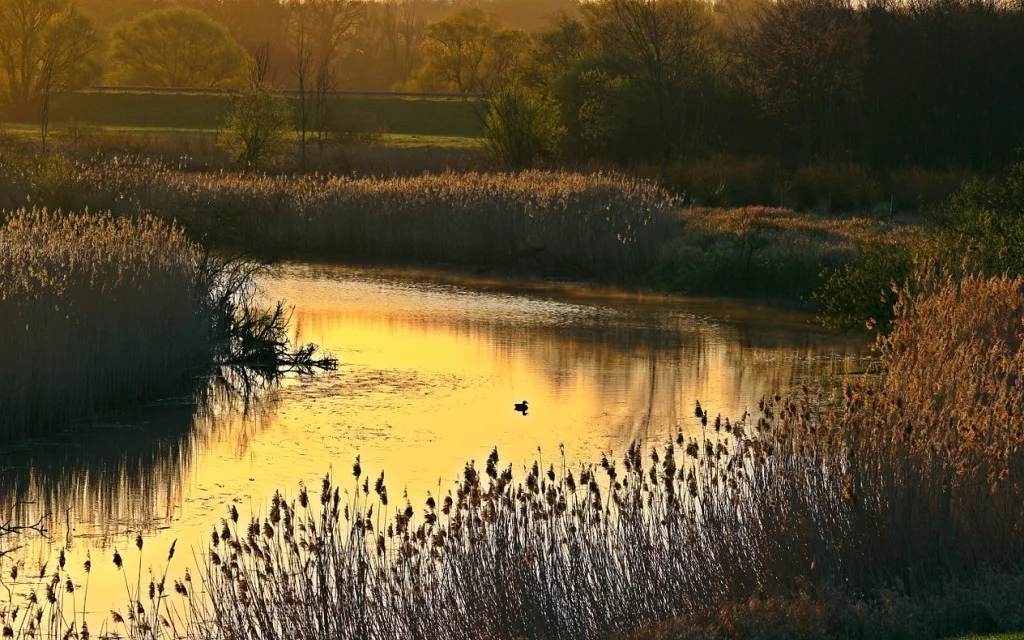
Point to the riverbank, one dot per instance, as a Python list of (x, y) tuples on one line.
[(600, 228), (98, 311)]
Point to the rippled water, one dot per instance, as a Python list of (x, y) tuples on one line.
[(430, 368)]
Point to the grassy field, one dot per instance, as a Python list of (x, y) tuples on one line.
[(408, 116), (109, 134)]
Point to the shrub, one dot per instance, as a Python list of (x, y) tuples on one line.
[(923, 189), (863, 292), (725, 181), (759, 251), (984, 220), (522, 129), (257, 127)]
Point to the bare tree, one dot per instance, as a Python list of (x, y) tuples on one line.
[(319, 31), (408, 34), (331, 23), (303, 67), (321, 106), (258, 70), (47, 91)]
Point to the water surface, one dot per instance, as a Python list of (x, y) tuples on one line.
[(430, 368)]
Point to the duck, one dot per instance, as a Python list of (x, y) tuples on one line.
[(522, 407)]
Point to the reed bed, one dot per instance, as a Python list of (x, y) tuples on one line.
[(98, 311), (808, 516), (573, 224), (592, 226), (598, 225), (95, 310)]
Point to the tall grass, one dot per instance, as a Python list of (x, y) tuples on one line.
[(95, 310), (98, 311), (596, 226), (886, 489), (592, 225)]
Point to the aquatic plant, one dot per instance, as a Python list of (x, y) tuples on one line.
[(95, 310), (98, 311), (597, 225)]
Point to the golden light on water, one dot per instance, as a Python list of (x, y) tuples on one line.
[(429, 372)]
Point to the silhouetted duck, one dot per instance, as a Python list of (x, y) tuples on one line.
[(522, 408)]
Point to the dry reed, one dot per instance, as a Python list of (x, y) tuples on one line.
[(574, 224), (591, 226), (599, 225), (95, 310), (98, 311)]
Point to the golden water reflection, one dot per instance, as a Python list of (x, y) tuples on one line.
[(430, 369)]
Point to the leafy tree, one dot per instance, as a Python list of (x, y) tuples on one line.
[(175, 47), (637, 79), (664, 50), (45, 46), (471, 52), (257, 125), (556, 50)]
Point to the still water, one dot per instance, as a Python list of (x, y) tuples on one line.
[(430, 368)]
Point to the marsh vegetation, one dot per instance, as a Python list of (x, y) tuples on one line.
[(590, 226), (99, 311)]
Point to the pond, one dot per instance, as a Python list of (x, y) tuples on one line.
[(431, 366)]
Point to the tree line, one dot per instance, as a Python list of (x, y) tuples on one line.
[(927, 83), (881, 83)]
